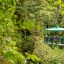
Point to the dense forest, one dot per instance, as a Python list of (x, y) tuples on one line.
[(22, 31)]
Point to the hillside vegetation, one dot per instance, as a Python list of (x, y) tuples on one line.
[(22, 31)]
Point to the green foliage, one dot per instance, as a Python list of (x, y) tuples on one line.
[(32, 58), (8, 49), (48, 55), (14, 57), (58, 2), (21, 31), (28, 25)]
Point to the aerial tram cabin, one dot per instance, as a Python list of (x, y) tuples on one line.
[(54, 39)]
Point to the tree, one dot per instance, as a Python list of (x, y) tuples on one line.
[(8, 49)]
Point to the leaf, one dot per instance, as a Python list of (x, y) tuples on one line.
[(1, 14), (35, 58), (0, 0), (62, 12), (57, 2), (62, 5)]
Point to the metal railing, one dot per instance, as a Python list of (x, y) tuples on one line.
[(54, 39)]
